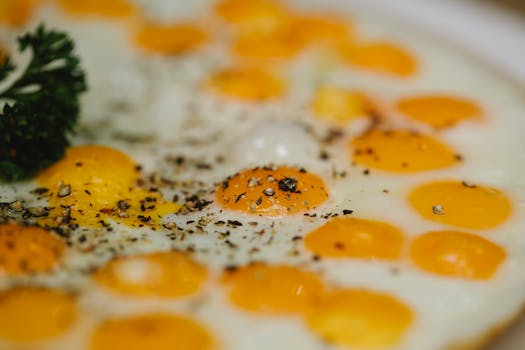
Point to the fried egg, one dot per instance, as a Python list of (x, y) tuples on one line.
[(258, 174)]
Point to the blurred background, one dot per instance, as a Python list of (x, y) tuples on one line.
[(493, 30)]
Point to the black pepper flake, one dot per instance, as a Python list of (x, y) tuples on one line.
[(238, 198), (347, 212), (324, 155), (296, 238), (87, 192), (468, 184), (339, 245), (40, 190), (366, 172), (234, 223), (269, 191), (259, 201), (458, 157), (438, 209), (64, 190), (143, 218), (231, 268), (122, 205), (225, 185), (288, 184), (78, 164), (230, 244)]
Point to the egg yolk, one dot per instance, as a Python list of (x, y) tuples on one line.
[(461, 204), (355, 238), (360, 318), (95, 183), (151, 331), (269, 191), (381, 58), (339, 105), (28, 249), (103, 8), (169, 39), (439, 111), (164, 274), (277, 289), (252, 17), (401, 151), (30, 314), (247, 84), (16, 12), (276, 45), (457, 254), (313, 28)]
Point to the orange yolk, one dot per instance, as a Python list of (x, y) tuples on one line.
[(401, 151), (277, 289), (151, 331), (360, 318), (248, 84), (172, 39), (102, 8), (28, 249), (314, 28), (339, 105), (30, 314), (355, 238), (290, 38), (97, 183), (267, 191), (276, 45), (17, 12), (252, 17), (457, 254), (439, 111), (382, 58), (461, 204), (165, 274)]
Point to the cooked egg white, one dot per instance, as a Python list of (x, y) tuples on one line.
[(299, 221)]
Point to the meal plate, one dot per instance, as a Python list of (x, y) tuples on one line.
[(246, 175)]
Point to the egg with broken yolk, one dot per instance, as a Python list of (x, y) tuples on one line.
[(92, 184)]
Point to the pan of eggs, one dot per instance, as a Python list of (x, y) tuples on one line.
[(262, 174)]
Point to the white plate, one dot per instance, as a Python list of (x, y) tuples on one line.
[(492, 34)]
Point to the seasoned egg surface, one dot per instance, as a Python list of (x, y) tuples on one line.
[(250, 175)]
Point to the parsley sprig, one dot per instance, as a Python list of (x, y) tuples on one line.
[(41, 107)]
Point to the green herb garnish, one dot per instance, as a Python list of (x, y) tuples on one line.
[(41, 106)]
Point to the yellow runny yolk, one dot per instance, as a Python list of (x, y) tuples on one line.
[(151, 331), (102, 8), (381, 58), (28, 249), (461, 204), (355, 238), (31, 314), (340, 105), (163, 274), (247, 84), (277, 289), (360, 318), (169, 39), (269, 191), (457, 254), (17, 12), (401, 151), (94, 183), (439, 111)]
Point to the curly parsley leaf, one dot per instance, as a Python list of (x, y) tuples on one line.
[(41, 107)]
